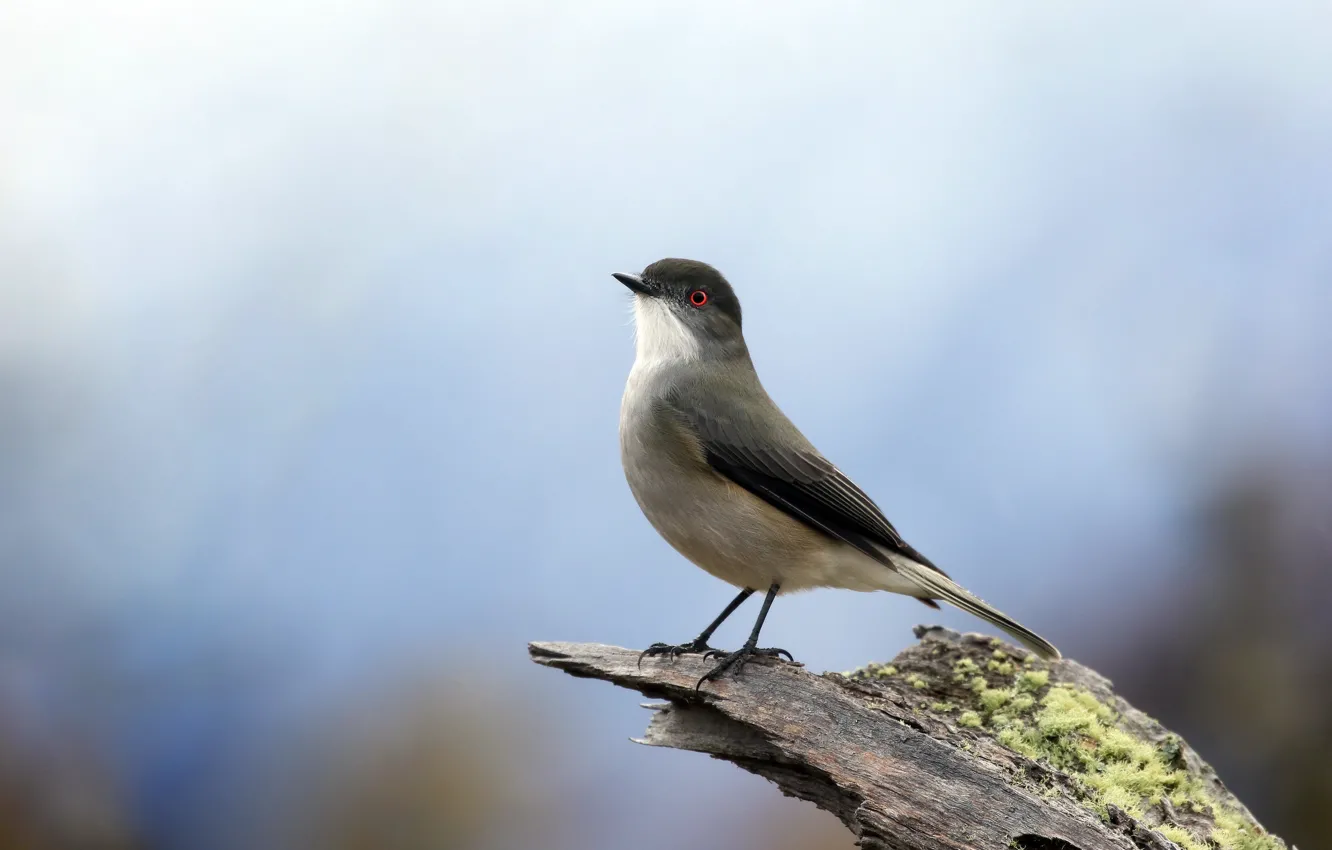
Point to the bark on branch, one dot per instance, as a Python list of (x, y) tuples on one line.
[(908, 755)]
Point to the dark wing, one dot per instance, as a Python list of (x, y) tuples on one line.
[(799, 481)]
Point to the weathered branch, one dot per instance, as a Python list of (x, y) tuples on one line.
[(962, 742)]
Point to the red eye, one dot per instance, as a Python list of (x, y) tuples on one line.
[(698, 298)]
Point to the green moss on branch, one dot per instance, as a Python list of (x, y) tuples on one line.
[(1016, 701)]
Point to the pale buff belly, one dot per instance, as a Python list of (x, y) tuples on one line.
[(744, 541)]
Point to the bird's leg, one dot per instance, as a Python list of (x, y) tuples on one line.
[(700, 643), (738, 658)]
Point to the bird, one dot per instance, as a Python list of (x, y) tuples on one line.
[(732, 484)]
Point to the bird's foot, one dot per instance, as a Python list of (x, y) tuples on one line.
[(736, 660), (674, 650)]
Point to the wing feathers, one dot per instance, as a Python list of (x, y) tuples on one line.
[(773, 461), (800, 481)]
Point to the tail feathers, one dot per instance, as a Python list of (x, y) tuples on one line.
[(942, 587)]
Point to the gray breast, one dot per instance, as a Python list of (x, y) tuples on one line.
[(713, 522), (663, 465)]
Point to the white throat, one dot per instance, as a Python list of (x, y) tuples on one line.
[(660, 336)]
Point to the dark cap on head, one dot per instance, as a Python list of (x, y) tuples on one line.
[(681, 279)]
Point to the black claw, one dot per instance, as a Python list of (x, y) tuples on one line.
[(672, 650), (737, 660)]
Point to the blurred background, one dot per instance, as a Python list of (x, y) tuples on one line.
[(310, 365)]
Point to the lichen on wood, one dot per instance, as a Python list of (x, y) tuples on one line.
[(962, 741)]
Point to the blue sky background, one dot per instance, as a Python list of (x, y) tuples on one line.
[(310, 359)]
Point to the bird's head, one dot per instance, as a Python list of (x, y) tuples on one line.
[(684, 310)]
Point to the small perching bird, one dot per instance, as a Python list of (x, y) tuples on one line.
[(733, 485)]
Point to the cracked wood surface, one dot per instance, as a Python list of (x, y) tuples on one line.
[(897, 773)]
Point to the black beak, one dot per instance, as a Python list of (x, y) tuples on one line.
[(634, 282)]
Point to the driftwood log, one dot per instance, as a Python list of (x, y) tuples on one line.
[(909, 755)]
